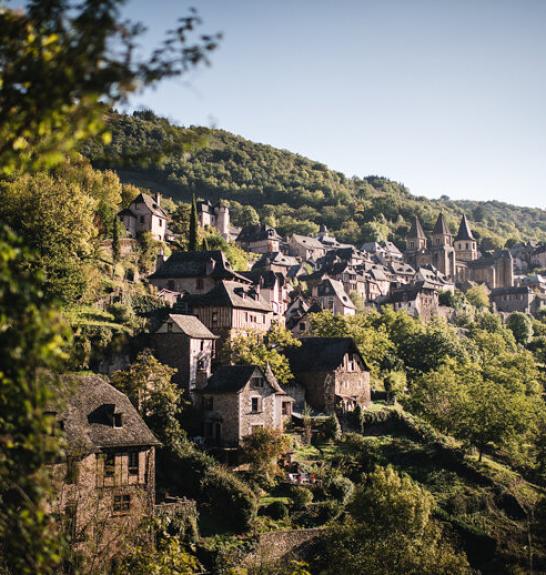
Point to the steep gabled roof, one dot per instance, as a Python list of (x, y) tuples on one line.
[(228, 294), (464, 233), (416, 230), (212, 263), (191, 326), (440, 228), (88, 417), (320, 354), (266, 279), (151, 204), (338, 289), (233, 378)]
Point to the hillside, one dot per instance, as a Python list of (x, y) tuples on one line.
[(291, 191)]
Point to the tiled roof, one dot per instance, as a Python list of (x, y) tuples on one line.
[(266, 279), (257, 233), (464, 233), (197, 264), (87, 418), (308, 242), (228, 294), (320, 353), (233, 378), (192, 326), (151, 204)]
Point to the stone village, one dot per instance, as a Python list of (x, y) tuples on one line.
[(108, 472)]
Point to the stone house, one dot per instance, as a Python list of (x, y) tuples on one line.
[(215, 216), (194, 272), (259, 238), (538, 258), (305, 247), (330, 375), (331, 295), (419, 300), (229, 309), (512, 299), (104, 485), (145, 214), (184, 343), (273, 288), (239, 399)]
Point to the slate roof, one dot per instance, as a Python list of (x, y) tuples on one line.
[(339, 291), (233, 378), (87, 418), (464, 233), (416, 230), (257, 233), (265, 278), (317, 354), (311, 243), (192, 326), (228, 294), (440, 228), (410, 292), (276, 258), (151, 204), (195, 264)]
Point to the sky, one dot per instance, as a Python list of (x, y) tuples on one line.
[(446, 96)]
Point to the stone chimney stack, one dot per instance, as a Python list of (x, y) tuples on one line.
[(157, 198)]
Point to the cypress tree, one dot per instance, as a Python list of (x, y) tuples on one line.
[(194, 226), (115, 240)]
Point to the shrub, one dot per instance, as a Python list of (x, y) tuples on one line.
[(276, 510), (301, 496), (318, 514)]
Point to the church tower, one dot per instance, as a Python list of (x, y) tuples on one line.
[(466, 246), (443, 254), (416, 240)]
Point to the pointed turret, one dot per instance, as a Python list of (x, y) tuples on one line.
[(416, 239), (440, 228), (466, 246), (464, 233)]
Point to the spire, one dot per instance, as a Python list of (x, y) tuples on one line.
[(416, 230), (464, 232), (440, 228)]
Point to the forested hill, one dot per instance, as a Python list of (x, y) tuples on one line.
[(289, 190)]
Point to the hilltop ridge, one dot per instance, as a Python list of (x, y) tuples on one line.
[(295, 193)]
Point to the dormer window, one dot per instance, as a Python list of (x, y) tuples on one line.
[(170, 327), (117, 420)]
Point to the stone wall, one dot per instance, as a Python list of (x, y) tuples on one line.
[(283, 546)]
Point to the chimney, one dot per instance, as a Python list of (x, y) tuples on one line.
[(157, 198)]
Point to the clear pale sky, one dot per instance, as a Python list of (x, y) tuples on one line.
[(446, 96)]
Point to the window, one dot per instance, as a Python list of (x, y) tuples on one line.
[(256, 404), (202, 345), (412, 244), (351, 363), (122, 503), (199, 283), (109, 465), (201, 364), (141, 219), (215, 317), (160, 222), (286, 408), (302, 326), (133, 462), (257, 381), (117, 420)]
